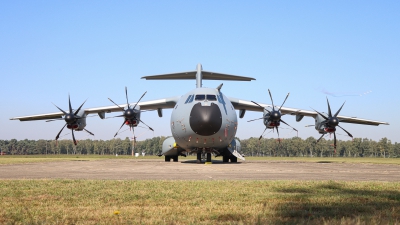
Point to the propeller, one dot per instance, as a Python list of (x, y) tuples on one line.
[(274, 116), (331, 122), (71, 118), (129, 114)]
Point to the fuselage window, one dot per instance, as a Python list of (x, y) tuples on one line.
[(200, 97), (211, 98)]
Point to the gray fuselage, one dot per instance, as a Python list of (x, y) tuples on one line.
[(203, 118)]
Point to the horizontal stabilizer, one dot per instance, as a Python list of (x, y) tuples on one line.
[(191, 75)]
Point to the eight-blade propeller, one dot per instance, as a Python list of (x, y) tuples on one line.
[(274, 116), (129, 114), (71, 120), (331, 122)]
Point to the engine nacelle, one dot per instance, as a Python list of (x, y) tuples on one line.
[(318, 124), (80, 123)]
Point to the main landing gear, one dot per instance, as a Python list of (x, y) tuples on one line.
[(208, 157), (168, 158)]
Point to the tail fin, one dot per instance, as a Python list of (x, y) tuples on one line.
[(199, 75)]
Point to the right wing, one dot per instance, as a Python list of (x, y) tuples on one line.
[(165, 103), (248, 105)]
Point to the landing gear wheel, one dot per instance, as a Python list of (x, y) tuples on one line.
[(175, 158), (208, 157), (199, 157), (233, 158), (167, 158), (225, 158)]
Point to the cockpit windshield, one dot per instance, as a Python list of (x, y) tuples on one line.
[(200, 97), (211, 98), (206, 97)]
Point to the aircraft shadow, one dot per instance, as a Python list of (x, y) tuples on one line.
[(213, 162)]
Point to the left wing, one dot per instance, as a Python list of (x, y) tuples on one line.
[(299, 113), (165, 103)]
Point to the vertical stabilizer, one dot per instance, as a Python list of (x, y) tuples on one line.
[(199, 76)]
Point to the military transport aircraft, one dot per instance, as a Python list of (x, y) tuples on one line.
[(203, 120)]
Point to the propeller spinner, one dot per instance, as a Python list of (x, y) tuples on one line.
[(273, 117), (130, 114), (331, 122)]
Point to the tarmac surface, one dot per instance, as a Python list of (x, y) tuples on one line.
[(126, 169)]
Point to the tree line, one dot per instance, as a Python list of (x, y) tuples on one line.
[(290, 147)]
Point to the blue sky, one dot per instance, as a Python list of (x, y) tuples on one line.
[(93, 49)]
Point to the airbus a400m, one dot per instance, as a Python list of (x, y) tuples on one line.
[(204, 120)]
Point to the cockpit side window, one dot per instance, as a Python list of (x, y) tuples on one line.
[(188, 99), (200, 97), (211, 98)]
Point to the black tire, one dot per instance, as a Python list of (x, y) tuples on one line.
[(175, 158), (208, 157), (233, 159), (167, 158), (199, 157), (225, 158)]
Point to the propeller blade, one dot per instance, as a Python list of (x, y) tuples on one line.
[(73, 136), (76, 112), (320, 138), (120, 128), (255, 119), (277, 131), (69, 101), (116, 104), (126, 93), (334, 140), (346, 131), (260, 106), (329, 108), (146, 125), (88, 131), (139, 99), (59, 109), (337, 113), (320, 114), (273, 107), (263, 133), (58, 135), (284, 101), (289, 125)]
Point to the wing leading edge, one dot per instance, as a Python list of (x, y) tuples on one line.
[(248, 105), (166, 103)]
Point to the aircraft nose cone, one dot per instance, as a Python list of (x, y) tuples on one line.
[(205, 120)]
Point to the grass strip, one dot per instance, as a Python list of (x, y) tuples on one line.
[(198, 202)]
